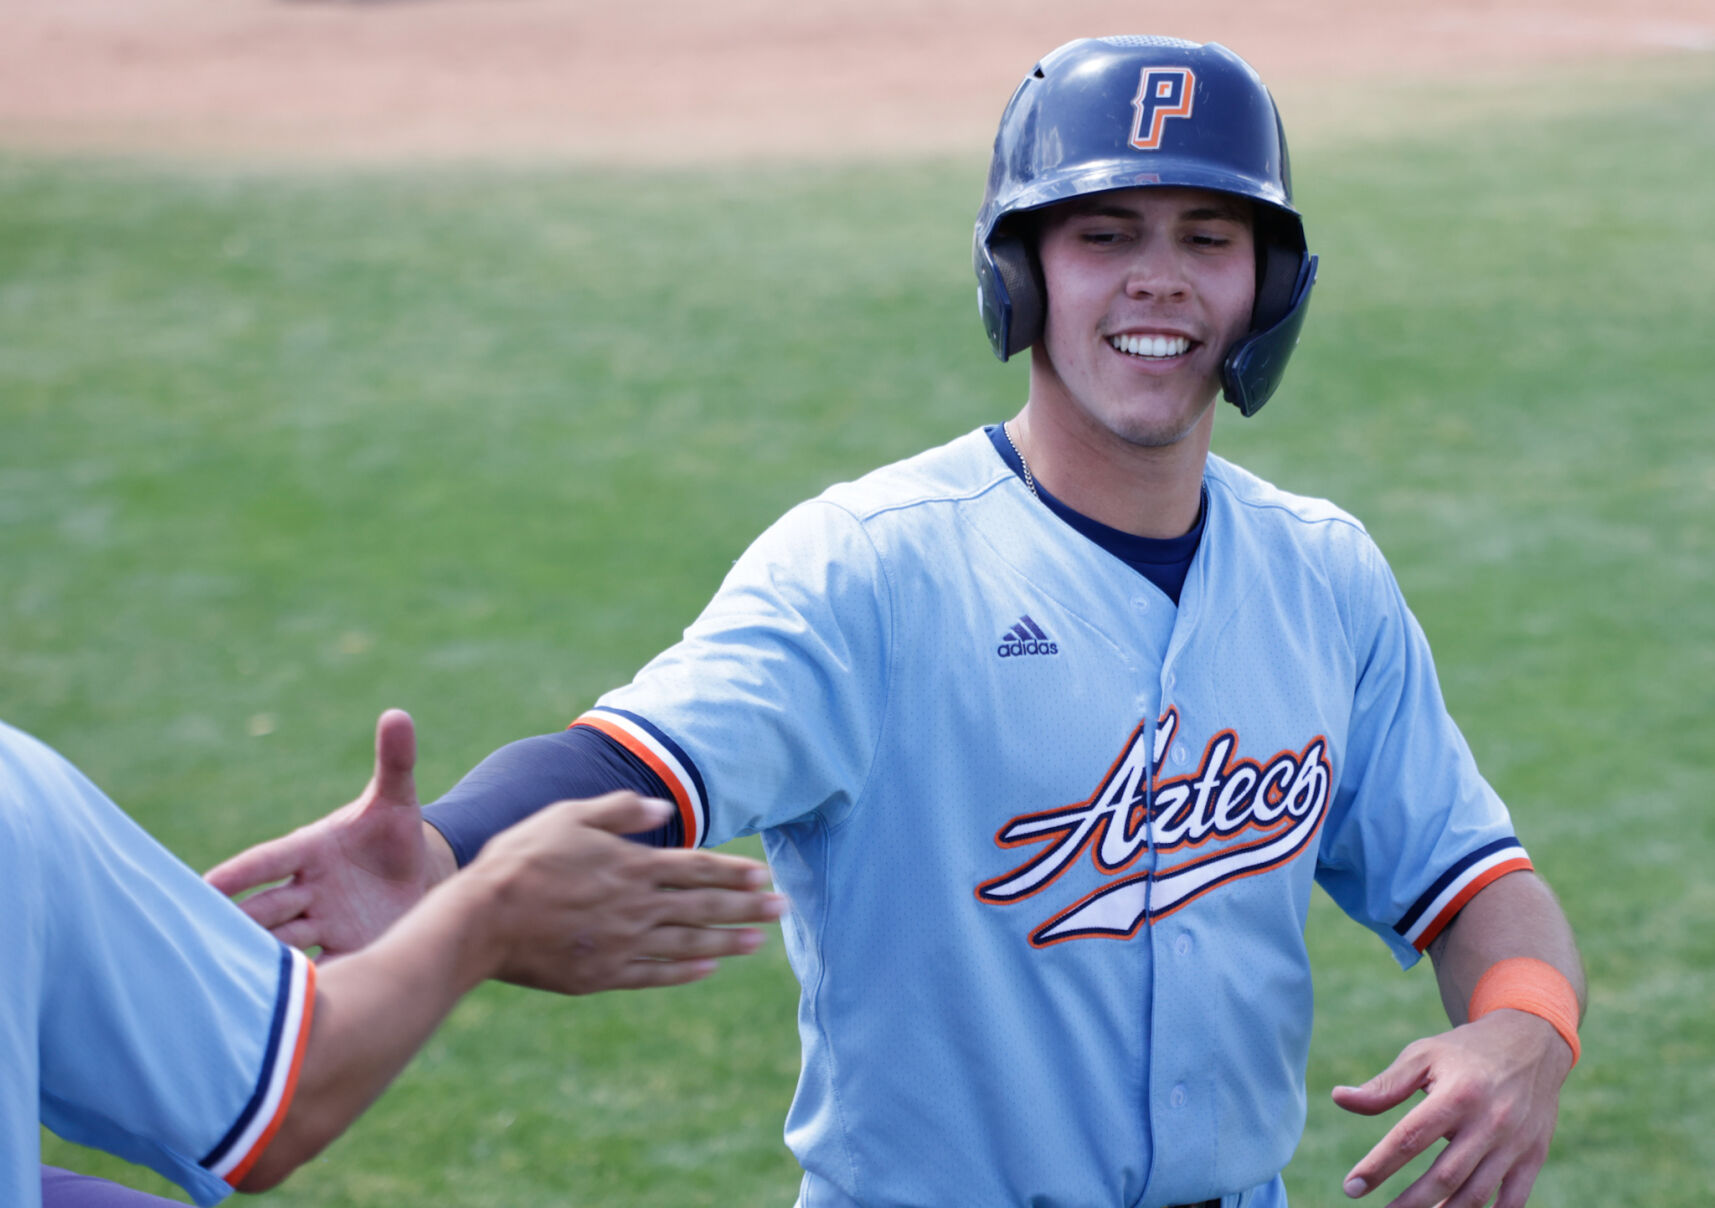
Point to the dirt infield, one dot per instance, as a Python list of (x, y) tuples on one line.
[(695, 80)]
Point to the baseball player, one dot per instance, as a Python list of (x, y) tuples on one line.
[(1049, 731), (143, 1014)]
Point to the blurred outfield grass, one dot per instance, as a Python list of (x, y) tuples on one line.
[(281, 448)]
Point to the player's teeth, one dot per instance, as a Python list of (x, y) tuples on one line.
[(1150, 346)]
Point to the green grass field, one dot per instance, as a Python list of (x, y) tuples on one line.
[(281, 448)]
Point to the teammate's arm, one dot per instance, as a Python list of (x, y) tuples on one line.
[(346, 877), (559, 902), (1492, 1086)]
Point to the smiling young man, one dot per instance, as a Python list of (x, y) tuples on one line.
[(1149, 289), (1050, 731)]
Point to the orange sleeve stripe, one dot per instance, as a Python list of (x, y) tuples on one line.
[(237, 1173), (1478, 883), (681, 799)]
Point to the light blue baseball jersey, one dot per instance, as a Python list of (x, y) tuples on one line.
[(1049, 839), (140, 1012)]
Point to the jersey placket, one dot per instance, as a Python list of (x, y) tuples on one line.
[(1180, 1108)]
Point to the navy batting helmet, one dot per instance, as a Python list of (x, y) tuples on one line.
[(1120, 113)]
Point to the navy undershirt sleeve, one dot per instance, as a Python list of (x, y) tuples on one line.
[(522, 777)]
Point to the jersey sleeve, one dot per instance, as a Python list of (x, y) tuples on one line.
[(169, 1026), (769, 709), (1415, 830)]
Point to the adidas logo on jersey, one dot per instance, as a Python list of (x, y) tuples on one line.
[(1024, 638)]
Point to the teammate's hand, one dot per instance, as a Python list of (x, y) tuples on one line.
[(577, 909), (1492, 1089), (349, 875)]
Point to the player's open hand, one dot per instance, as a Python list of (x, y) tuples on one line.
[(1491, 1088), (577, 909), (348, 876)]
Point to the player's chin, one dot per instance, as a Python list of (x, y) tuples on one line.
[(1162, 427), (1158, 437)]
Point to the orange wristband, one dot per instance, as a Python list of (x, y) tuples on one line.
[(1524, 983)]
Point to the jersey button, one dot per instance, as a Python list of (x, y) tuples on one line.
[(1141, 603), (1177, 1096), (1181, 754), (1182, 945)]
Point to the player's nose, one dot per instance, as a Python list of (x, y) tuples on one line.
[(1155, 270)]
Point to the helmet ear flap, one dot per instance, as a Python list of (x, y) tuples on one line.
[(1254, 365), (1285, 271), (1014, 255), (1277, 279)]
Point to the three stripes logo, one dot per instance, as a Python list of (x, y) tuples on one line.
[(1025, 638)]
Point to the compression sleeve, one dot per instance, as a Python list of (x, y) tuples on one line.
[(522, 777)]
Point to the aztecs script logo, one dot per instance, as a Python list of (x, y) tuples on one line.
[(1274, 808)]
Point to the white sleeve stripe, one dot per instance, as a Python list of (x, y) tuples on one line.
[(665, 763), (1431, 917), (276, 1077)]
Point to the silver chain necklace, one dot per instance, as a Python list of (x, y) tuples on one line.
[(1029, 478)]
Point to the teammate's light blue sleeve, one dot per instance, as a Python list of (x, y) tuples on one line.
[(141, 1012), (770, 707), (1415, 831)]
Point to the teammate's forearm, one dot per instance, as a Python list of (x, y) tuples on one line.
[(1517, 915), (374, 1010)]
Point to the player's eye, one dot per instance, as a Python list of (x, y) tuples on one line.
[(1102, 236), (1211, 243)]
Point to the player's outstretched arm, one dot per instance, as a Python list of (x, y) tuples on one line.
[(559, 902), (1491, 1085), (348, 876)]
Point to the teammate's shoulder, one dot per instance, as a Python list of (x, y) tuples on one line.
[(36, 781), (24, 757), (1265, 501), (963, 468)]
